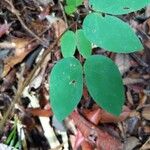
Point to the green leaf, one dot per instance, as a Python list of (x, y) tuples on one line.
[(104, 83), (118, 7), (111, 33), (69, 9), (75, 3), (66, 85), (83, 45), (68, 44)]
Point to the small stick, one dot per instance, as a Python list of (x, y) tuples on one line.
[(63, 12)]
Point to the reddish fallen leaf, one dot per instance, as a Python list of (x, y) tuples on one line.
[(4, 28), (98, 115), (27, 120), (94, 135), (107, 117), (40, 112), (93, 116), (86, 146), (78, 140)]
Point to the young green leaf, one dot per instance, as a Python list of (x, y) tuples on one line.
[(75, 3), (111, 33), (118, 7), (66, 85), (69, 9), (83, 44), (104, 83), (68, 44)]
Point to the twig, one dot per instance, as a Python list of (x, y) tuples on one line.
[(127, 81), (63, 12), (138, 60), (16, 13)]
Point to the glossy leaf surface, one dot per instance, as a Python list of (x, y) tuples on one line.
[(68, 44), (118, 7), (111, 33), (66, 85), (83, 44), (104, 83), (74, 2), (70, 9)]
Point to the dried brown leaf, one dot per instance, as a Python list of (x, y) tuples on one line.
[(98, 115), (22, 48), (95, 135)]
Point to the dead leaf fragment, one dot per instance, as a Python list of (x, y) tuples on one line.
[(96, 136), (98, 115), (39, 112), (22, 48), (146, 113), (131, 143), (59, 26), (123, 62)]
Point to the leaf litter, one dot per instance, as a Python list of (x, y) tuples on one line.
[(88, 127)]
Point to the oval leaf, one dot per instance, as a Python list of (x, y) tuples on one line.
[(83, 45), (68, 44), (104, 83), (66, 86), (75, 3), (118, 7), (69, 9), (111, 33)]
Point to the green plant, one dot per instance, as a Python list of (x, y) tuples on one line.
[(72, 5), (12, 140), (100, 73)]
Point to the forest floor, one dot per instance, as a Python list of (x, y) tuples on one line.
[(29, 47)]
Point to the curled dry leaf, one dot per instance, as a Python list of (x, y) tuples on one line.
[(78, 140), (86, 146), (107, 117), (58, 24), (93, 116), (98, 115), (97, 137), (22, 48)]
